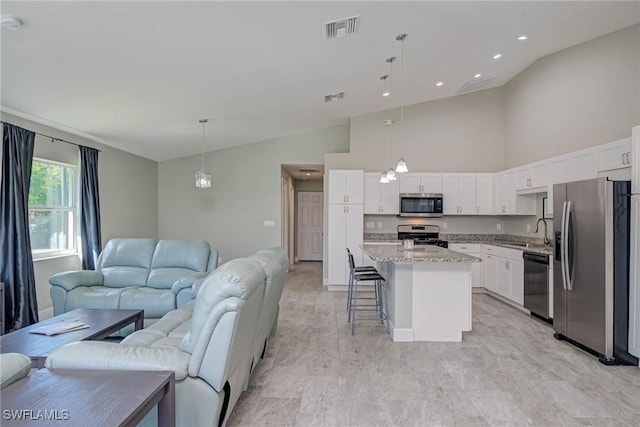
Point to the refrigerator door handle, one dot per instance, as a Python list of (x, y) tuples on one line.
[(563, 239), (567, 261)]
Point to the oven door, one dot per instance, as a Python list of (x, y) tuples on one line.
[(422, 205)]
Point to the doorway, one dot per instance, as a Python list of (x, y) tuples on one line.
[(310, 225)]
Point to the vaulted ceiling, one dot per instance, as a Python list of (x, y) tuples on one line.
[(139, 75)]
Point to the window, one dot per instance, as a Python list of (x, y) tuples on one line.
[(52, 208)]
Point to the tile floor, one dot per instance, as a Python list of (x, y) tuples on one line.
[(508, 371)]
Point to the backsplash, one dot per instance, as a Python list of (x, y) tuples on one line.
[(460, 237)]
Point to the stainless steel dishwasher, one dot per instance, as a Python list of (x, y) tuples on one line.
[(536, 284)]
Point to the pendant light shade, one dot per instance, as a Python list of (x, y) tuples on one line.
[(203, 179), (402, 166), (391, 175), (383, 178)]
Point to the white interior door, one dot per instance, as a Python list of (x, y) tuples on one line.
[(310, 220)]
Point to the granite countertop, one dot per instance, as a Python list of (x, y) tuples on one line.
[(396, 253)]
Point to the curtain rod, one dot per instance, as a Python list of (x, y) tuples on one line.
[(53, 138)]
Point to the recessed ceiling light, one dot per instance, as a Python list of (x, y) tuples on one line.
[(497, 56), (10, 23), (439, 84), (477, 76), (522, 37), (385, 93), (307, 174)]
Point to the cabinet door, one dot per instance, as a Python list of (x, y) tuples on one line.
[(410, 183), (390, 198), (431, 182), (510, 178), (634, 276), (490, 272), (354, 232), (484, 193), (337, 186), (523, 177), (501, 194), (372, 189), (337, 254), (450, 194), (467, 198), (614, 155), (635, 162), (559, 168), (355, 187), (584, 165), (516, 281), (540, 174), (503, 276)]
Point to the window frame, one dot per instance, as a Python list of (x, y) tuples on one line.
[(40, 254)]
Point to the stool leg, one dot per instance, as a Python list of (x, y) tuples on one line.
[(385, 306), (354, 295), (350, 294)]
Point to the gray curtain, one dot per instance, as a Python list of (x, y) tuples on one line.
[(89, 208), (16, 263)]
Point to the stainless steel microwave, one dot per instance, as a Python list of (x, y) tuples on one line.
[(423, 205)]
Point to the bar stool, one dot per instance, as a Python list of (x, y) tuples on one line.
[(378, 306), (352, 272)]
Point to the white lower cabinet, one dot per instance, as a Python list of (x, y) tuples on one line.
[(477, 268), (504, 272)]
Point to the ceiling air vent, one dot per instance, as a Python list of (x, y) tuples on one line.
[(475, 85), (333, 97), (342, 27), (304, 170)]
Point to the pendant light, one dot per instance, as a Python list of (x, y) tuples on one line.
[(402, 165), (203, 179)]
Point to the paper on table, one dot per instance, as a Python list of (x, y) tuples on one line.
[(59, 328)]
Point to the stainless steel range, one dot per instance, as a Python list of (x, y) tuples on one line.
[(422, 235)]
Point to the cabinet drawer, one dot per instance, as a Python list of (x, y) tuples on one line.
[(466, 247)]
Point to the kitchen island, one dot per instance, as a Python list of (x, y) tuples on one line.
[(428, 291)]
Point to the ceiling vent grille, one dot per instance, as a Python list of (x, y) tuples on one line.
[(333, 97), (342, 27), (304, 170), (475, 85)]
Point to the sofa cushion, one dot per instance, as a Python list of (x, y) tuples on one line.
[(13, 367), (155, 302), (93, 297), (126, 262), (164, 278), (176, 259)]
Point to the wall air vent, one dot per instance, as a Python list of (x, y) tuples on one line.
[(333, 97), (342, 27), (475, 85)]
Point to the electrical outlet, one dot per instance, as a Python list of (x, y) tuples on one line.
[(370, 224), (379, 226), (444, 225), (498, 226), (269, 223), (528, 228)]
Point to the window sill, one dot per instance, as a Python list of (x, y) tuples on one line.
[(47, 257)]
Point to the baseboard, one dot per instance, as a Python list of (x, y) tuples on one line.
[(401, 335), (478, 290), (45, 314), (506, 301)]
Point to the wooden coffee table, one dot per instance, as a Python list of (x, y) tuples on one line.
[(102, 323), (69, 397)]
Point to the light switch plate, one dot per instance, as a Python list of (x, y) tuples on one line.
[(269, 223), (369, 224), (498, 226)]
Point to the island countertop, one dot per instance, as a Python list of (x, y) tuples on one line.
[(427, 253)]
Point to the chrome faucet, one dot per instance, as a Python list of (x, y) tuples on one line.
[(546, 239)]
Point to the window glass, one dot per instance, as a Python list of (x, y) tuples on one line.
[(52, 208)]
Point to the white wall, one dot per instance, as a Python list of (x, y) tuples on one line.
[(579, 97), (245, 191), (128, 196)]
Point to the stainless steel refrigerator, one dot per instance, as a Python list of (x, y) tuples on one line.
[(591, 267)]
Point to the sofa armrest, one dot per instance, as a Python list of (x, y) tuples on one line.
[(186, 282), (13, 367), (186, 294), (72, 279), (119, 357)]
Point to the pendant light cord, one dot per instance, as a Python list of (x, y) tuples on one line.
[(402, 97)]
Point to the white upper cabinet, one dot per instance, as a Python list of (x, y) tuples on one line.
[(615, 155), (584, 165), (559, 171), (346, 186), (532, 176), (459, 193), (635, 161), (484, 193), (380, 198), (500, 193), (420, 183)]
